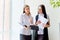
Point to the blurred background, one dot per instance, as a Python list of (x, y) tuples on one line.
[(10, 11)]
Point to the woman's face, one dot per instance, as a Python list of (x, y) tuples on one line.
[(27, 10), (39, 10)]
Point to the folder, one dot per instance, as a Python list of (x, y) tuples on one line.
[(34, 27)]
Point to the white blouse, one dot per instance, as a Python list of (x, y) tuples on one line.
[(41, 27)]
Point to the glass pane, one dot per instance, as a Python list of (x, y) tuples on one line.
[(16, 7), (1, 15), (7, 16), (6, 36), (1, 36)]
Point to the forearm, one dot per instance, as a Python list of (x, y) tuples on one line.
[(47, 25)]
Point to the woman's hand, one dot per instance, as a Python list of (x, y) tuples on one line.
[(38, 22), (46, 25), (27, 28), (31, 20)]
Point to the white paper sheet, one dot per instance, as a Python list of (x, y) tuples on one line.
[(41, 25), (42, 19)]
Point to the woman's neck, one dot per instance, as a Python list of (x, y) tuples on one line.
[(41, 14), (27, 14)]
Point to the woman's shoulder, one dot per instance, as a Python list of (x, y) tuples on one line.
[(22, 14)]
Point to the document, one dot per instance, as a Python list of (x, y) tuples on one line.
[(42, 19)]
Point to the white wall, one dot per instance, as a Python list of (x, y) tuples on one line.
[(16, 10)]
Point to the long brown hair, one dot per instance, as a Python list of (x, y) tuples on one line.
[(25, 7), (43, 10)]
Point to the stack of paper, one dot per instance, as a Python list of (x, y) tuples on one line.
[(43, 21)]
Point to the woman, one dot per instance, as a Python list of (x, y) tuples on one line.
[(25, 21), (42, 34)]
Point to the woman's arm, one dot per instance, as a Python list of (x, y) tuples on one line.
[(47, 25), (31, 20), (38, 22), (21, 22)]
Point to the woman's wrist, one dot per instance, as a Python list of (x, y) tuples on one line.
[(25, 25), (46, 25)]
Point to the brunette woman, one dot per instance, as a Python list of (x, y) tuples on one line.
[(42, 33)]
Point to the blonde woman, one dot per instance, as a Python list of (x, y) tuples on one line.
[(25, 21)]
